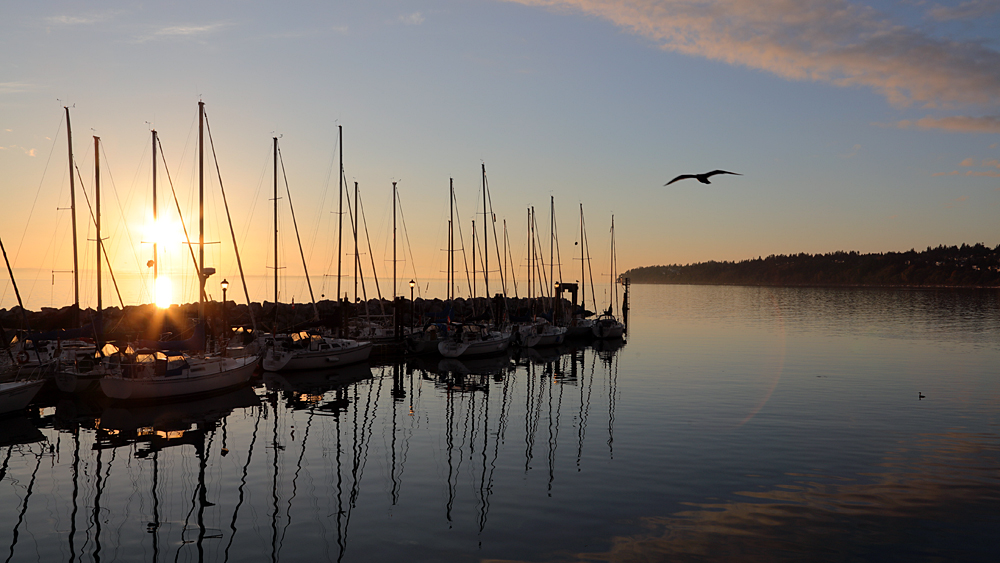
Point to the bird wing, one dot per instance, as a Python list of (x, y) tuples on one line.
[(714, 172), (681, 177)]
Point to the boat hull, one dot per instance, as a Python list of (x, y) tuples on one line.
[(15, 395), (463, 349), (314, 360), (205, 376)]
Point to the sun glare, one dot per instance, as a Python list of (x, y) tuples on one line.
[(164, 231), (164, 292)]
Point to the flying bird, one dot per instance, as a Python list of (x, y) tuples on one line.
[(703, 178)]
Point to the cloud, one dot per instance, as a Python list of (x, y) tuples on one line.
[(971, 162), (15, 87), (79, 20), (969, 10), (832, 41), (184, 30), (416, 18), (854, 152), (994, 145), (958, 123)]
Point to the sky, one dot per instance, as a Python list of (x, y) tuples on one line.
[(867, 126)]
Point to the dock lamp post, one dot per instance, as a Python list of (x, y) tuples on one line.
[(412, 284), (225, 317)]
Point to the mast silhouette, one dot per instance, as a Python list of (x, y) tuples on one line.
[(156, 261), (276, 233), (72, 210), (97, 221)]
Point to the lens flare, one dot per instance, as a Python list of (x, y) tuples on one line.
[(164, 292)]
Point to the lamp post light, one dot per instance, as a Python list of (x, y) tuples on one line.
[(412, 284), (225, 318)]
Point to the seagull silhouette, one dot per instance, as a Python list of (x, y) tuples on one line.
[(703, 178)]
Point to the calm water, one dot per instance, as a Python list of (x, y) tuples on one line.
[(735, 424)]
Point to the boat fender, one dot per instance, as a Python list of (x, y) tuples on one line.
[(22, 357)]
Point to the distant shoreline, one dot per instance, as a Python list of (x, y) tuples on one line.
[(972, 267), (822, 286)]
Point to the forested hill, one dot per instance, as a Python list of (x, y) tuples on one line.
[(964, 266)]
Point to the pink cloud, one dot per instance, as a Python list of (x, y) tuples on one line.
[(832, 41), (991, 162), (968, 162), (988, 173), (958, 123), (971, 9), (952, 173)]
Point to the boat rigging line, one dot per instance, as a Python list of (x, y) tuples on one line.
[(100, 241), (239, 261), (297, 237)]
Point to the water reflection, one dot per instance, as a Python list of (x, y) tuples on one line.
[(607, 451), (932, 500)]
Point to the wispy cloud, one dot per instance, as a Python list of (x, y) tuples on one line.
[(970, 162), (853, 153), (29, 152), (88, 19), (416, 18), (958, 123), (834, 41), (15, 87), (183, 31), (968, 10)]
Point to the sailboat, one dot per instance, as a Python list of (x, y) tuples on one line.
[(467, 340), (606, 326), (579, 326), (306, 350), (149, 373)]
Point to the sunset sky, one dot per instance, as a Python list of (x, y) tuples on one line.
[(868, 126)]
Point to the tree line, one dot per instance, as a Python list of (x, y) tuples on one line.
[(951, 266)]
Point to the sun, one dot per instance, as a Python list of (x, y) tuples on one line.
[(164, 231), (164, 292)]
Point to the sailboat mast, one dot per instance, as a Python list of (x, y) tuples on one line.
[(276, 221), (72, 210), (451, 238), (552, 254), (583, 271), (97, 213), (394, 244), (486, 240), (156, 260), (357, 257), (340, 208), (614, 266), (530, 248), (473, 258), (201, 212)]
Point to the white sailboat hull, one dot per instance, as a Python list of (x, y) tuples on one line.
[(15, 395), (205, 375), (295, 360), (606, 330), (464, 349)]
